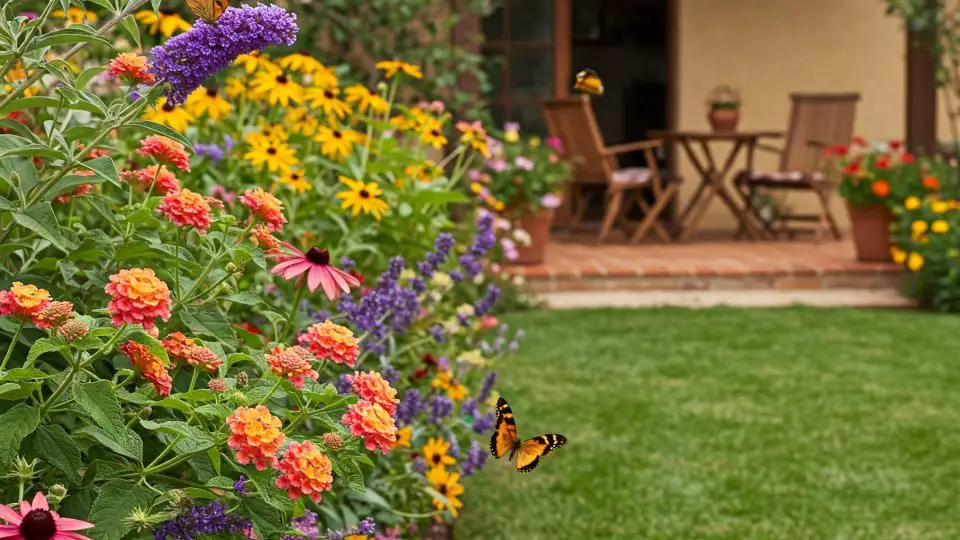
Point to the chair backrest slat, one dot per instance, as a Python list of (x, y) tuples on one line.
[(822, 119), (572, 121)]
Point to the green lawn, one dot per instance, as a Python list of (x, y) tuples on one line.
[(730, 424)]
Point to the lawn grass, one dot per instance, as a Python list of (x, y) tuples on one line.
[(795, 423)]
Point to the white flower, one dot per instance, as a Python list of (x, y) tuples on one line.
[(500, 224), (441, 280), (479, 279), (407, 274), (522, 237), (473, 357), (519, 280), (466, 310)]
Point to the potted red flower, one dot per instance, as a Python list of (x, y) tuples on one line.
[(873, 180)]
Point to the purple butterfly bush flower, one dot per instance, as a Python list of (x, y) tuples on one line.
[(487, 387), (343, 384), (440, 408), (212, 151), (411, 403), (186, 60), (208, 519), (239, 486), (483, 424)]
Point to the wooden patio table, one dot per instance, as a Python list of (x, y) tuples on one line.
[(714, 178)]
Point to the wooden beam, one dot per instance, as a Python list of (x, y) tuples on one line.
[(921, 110), (562, 29)]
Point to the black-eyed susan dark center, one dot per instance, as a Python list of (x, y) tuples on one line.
[(167, 107), (337, 134), (437, 459), (272, 151), (364, 194), (318, 256), (328, 94), (442, 488), (212, 91), (38, 525), (168, 10), (435, 132), (294, 177), (282, 79)]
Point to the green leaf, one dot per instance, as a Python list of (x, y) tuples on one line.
[(160, 129), (59, 450), (99, 401), (43, 346), (246, 298), (15, 425), (136, 333), (23, 374), (40, 219), (35, 102), (265, 517), (88, 74), (116, 500), (71, 35), (193, 440), (34, 150), (269, 492), (438, 197), (130, 26), (209, 320), (354, 476), (221, 482), (105, 168)]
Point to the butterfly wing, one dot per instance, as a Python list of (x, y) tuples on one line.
[(588, 81), (531, 450), (208, 10), (504, 438)]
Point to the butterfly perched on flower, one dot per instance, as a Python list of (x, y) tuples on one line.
[(528, 452), (588, 81), (208, 10)]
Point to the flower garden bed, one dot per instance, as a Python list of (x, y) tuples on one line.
[(232, 299)]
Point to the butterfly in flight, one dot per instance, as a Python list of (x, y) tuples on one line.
[(208, 10), (589, 82), (528, 452)]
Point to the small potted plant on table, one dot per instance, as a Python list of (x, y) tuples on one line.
[(522, 181), (724, 104)]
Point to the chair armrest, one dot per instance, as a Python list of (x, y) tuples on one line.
[(632, 147), (769, 148), (817, 144)]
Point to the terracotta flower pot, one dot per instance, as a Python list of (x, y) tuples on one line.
[(724, 120), (537, 224), (871, 232)]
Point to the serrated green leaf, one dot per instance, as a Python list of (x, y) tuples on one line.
[(59, 450), (23, 374), (221, 482), (209, 320), (99, 401), (193, 440), (15, 425), (43, 346), (132, 447), (265, 517), (117, 498), (40, 219)]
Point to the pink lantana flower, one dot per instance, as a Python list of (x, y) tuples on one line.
[(36, 520)]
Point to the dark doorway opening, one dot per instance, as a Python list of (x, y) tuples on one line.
[(628, 43)]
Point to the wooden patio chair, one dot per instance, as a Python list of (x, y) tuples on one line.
[(594, 164), (817, 121)]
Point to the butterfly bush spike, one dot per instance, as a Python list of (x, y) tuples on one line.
[(186, 60)]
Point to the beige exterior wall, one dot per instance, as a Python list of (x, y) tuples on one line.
[(770, 48)]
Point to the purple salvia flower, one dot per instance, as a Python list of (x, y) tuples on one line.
[(475, 460), (390, 374), (208, 519), (212, 151), (485, 304), (343, 384), (440, 408), (306, 524), (483, 424), (367, 526), (186, 60), (346, 263), (436, 331), (454, 446), (239, 486), (487, 387), (411, 403), (470, 408)]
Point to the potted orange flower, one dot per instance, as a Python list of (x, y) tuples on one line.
[(873, 180)]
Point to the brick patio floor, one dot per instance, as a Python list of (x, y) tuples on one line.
[(576, 263)]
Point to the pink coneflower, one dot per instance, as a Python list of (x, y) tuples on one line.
[(37, 521), (523, 163), (497, 165), (315, 263)]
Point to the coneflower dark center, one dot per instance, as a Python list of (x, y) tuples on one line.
[(38, 525), (318, 256)]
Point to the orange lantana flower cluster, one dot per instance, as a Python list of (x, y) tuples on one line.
[(185, 209), (373, 423), (165, 150), (305, 470), (163, 182), (266, 207), (31, 303), (261, 236), (138, 296), (372, 387), (180, 347), (255, 435), (132, 67), (151, 366), (330, 341), (293, 363)]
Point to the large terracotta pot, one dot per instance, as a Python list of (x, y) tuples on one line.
[(724, 120), (871, 232), (537, 224)]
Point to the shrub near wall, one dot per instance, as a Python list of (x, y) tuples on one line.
[(197, 345)]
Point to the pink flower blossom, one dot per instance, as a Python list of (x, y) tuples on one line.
[(36, 520)]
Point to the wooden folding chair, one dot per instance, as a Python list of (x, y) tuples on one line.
[(817, 121), (572, 121)]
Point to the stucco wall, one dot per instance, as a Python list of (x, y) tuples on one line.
[(769, 49)]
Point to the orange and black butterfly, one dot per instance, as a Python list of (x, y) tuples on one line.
[(588, 81), (528, 452), (208, 10)]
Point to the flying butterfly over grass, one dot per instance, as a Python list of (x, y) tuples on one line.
[(208, 10), (528, 452), (589, 82)]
